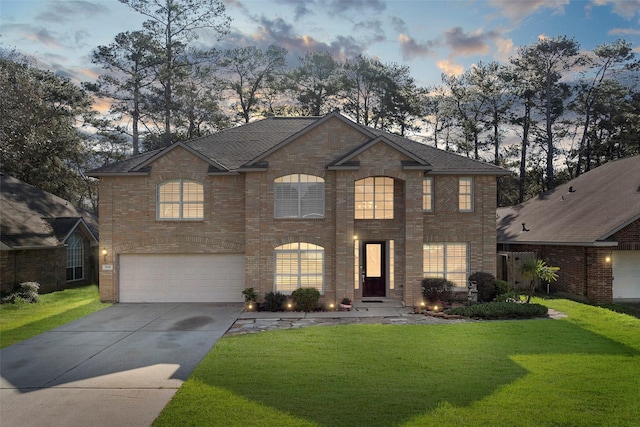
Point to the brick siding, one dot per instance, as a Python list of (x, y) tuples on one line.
[(239, 214)]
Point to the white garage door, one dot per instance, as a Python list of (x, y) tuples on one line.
[(181, 278), (626, 274)]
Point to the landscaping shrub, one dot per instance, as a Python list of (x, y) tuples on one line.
[(437, 289), (502, 287), (500, 310), (487, 290), (25, 292), (305, 299), (274, 301)]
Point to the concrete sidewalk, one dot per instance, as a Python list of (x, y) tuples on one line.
[(117, 367)]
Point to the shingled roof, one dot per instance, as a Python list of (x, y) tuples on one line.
[(234, 149), (33, 218), (586, 211)]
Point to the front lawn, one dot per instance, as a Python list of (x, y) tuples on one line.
[(21, 321), (580, 371)]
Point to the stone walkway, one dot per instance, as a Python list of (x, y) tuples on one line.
[(253, 322)]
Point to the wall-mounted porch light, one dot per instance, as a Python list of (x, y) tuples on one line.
[(104, 254)]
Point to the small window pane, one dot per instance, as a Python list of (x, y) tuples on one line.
[(465, 194), (427, 194)]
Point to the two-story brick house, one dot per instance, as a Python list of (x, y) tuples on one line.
[(284, 203)]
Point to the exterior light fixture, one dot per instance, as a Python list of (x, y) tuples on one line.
[(104, 254), (607, 259), (332, 306)]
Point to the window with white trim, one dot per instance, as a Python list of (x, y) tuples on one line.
[(75, 258), (374, 198), (299, 265), (427, 194), (465, 194), (180, 200), (447, 260), (299, 196)]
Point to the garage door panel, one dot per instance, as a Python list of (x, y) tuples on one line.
[(181, 278), (626, 274)]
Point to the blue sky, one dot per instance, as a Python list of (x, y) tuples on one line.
[(429, 36)]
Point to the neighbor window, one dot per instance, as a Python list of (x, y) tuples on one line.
[(299, 196), (465, 194), (447, 260), (180, 200), (427, 194), (374, 198), (299, 265), (75, 258)]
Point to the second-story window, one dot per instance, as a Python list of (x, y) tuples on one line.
[(299, 196), (180, 200), (465, 194), (427, 194), (374, 198)]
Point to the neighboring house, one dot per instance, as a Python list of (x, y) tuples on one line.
[(589, 227), (284, 203), (44, 238)]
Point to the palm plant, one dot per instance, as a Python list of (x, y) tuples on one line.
[(535, 270)]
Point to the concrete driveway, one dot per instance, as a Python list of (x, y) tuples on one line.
[(116, 367)]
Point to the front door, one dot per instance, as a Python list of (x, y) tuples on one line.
[(374, 280)]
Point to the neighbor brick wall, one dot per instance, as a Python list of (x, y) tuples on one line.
[(584, 271), (45, 266), (629, 237)]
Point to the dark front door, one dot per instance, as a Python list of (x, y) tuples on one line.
[(374, 280)]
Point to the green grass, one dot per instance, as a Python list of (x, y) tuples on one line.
[(580, 371), (21, 321)]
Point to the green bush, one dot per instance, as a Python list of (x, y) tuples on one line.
[(25, 292), (486, 285), (305, 299), (500, 310), (274, 301), (502, 286), (437, 289)]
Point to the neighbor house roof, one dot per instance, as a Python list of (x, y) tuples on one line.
[(586, 211), (33, 218), (244, 147)]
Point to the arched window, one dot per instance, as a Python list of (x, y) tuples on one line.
[(299, 196), (299, 265), (180, 200), (75, 258), (374, 198)]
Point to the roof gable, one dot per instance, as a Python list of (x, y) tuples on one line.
[(347, 161), (335, 115), (587, 210), (212, 163)]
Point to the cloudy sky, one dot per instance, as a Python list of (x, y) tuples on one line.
[(430, 36)]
